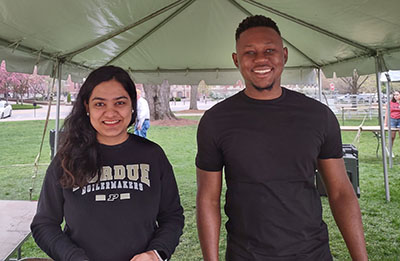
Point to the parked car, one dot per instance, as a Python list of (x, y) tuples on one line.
[(356, 98), (5, 109)]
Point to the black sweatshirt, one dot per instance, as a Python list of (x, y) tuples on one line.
[(133, 208)]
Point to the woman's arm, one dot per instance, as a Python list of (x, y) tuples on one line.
[(46, 224), (170, 217)]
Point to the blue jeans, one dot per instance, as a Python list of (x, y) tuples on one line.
[(143, 131), (394, 123)]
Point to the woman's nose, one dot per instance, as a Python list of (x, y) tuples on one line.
[(110, 110)]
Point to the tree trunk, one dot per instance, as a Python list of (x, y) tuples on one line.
[(158, 98), (193, 97)]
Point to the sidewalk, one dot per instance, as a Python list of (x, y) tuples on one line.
[(40, 114), (183, 106)]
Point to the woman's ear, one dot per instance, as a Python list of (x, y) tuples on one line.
[(86, 106)]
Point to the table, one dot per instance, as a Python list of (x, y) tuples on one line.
[(15, 219), (376, 130), (365, 128), (368, 109)]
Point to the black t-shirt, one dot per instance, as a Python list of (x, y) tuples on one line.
[(133, 208), (269, 150)]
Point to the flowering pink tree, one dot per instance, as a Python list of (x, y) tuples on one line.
[(37, 84), (20, 84), (7, 80)]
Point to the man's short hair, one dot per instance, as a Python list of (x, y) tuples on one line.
[(255, 21)]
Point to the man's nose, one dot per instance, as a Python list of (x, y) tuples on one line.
[(260, 57)]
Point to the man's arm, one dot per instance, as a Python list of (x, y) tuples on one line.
[(209, 184), (344, 206)]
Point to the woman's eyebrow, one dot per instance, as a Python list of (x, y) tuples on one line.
[(103, 99)]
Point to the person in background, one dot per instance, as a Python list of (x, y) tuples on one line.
[(115, 191), (394, 115), (143, 116), (270, 140)]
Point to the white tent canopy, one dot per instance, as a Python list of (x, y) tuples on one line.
[(394, 76), (185, 41)]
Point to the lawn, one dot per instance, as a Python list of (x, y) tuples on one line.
[(25, 106), (20, 145)]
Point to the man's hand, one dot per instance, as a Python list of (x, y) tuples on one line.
[(146, 256)]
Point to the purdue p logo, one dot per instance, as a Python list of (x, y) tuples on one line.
[(112, 197)]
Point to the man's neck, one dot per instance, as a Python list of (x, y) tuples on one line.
[(270, 94)]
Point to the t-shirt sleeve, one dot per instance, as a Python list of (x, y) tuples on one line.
[(209, 156), (332, 143)]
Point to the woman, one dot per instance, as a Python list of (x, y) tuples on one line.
[(394, 114), (116, 191)]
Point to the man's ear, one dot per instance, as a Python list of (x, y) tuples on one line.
[(235, 60), (285, 54)]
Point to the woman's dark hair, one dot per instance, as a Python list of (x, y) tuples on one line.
[(79, 150), (393, 99)]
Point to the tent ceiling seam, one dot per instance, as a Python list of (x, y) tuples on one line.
[(311, 26), (154, 29), (348, 59), (391, 49), (111, 35), (303, 54), (46, 55), (188, 70), (240, 7)]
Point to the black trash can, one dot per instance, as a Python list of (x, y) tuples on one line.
[(350, 156)]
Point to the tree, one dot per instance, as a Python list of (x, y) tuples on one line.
[(204, 90), (193, 97), (20, 86), (12, 82), (158, 98), (37, 84), (5, 80), (21, 83), (352, 82)]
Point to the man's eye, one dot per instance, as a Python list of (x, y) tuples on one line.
[(250, 52), (269, 50)]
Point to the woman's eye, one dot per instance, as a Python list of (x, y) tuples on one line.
[(99, 104), (120, 103)]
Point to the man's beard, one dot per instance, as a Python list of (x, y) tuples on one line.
[(266, 88)]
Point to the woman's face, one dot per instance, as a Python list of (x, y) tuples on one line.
[(396, 96), (110, 112)]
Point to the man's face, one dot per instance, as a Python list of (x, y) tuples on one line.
[(260, 57)]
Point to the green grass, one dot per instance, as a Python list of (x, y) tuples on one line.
[(381, 219), (24, 106)]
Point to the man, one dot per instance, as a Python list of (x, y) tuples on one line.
[(270, 140), (143, 116)]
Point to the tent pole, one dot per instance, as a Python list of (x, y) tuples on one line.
[(320, 85), (389, 125), (57, 107), (381, 123)]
